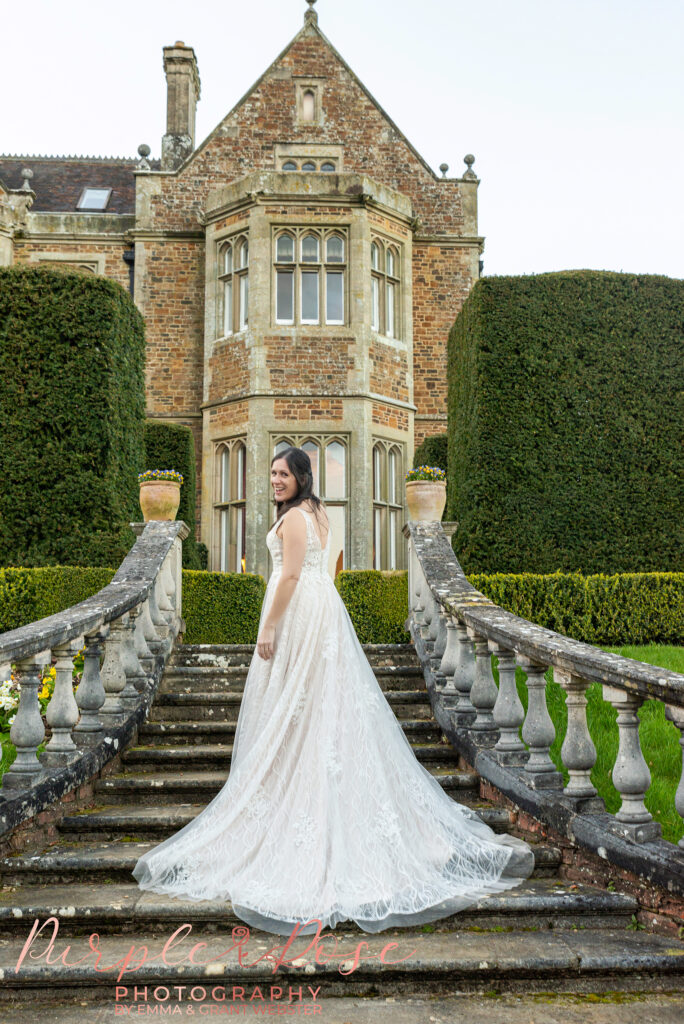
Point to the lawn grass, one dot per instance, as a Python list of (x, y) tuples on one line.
[(659, 738)]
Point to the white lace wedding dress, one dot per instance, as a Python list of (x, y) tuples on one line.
[(326, 814)]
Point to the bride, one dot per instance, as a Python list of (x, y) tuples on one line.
[(326, 815)]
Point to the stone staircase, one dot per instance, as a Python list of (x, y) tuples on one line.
[(547, 935)]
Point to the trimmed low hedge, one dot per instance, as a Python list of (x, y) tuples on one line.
[(626, 608), (377, 602), (224, 608), (566, 422), (72, 403)]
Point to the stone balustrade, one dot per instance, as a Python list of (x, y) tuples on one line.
[(456, 630), (133, 622)]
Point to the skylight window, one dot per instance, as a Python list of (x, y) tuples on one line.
[(94, 199)]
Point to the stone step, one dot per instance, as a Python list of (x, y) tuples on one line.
[(435, 964), (181, 756), (187, 679), (207, 731), (236, 654), (115, 818), (117, 907), (105, 862), (221, 706), (153, 787), (379, 1000)]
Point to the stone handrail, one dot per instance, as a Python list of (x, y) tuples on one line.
[(456, 630), (136, 619)]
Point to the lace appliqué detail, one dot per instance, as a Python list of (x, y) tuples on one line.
[(259, 806), (330, 648), (332, 763), (299, 706), (387, 824), (304, 829)]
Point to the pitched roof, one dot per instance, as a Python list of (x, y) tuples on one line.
[(310, 27), (58, 181)]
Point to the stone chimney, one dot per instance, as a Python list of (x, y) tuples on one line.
[(182, 94)]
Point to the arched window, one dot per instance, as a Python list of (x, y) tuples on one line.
[(310, 276), (385, 295), (308, 165), (388, 547), (308, 105), (229, 506), (327, 166), (289, 165), (328, 455), (233, 268)]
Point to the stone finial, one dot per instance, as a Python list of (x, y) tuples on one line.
[(310, 16), (469, 159), (144, 151), (444, 168), (26, 174)]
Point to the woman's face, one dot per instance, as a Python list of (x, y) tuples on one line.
[(283, 482)]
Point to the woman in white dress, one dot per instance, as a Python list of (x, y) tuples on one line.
[(326, 815)]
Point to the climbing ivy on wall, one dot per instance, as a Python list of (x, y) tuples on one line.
[(72, 402), (566, 423)]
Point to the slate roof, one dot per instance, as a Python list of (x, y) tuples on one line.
[(59, 180)]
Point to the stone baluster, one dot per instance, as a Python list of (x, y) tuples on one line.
[(113, 675), (631, 776), (90, 695), (27, 731), (133, 672), (159, 620), (464, 676), (676, 715), (428, 609), (435, 625), (538, 730), (578, 752), (447, 666), (62, 711), (508, 712), (142, 648), (483, 692), (163, 603), (152, 637)]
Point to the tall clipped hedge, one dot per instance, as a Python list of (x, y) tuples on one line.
[(566, 423), (432, 451), (377, 602), (72, 403), (172, 446)]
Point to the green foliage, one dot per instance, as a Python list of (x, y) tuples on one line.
[(72, 401), (432, 452), (566, 423), (626, 608), (377, 603), (222, 607), (225, 607), (171, 446)]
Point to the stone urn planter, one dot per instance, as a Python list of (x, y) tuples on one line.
[(160, 494), (426, 494)]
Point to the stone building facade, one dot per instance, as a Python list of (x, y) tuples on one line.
[(298, 272)]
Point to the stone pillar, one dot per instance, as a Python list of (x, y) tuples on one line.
[(182, 94)]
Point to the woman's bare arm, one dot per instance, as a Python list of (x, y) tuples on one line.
[(293, 531)]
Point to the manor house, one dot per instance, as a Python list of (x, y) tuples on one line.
[(298, 272)]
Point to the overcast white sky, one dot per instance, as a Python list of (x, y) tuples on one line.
[(573, 108)]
